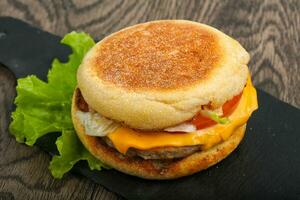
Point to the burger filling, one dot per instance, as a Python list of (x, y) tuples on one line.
[(208, 128)]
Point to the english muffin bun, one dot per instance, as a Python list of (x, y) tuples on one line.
[(155, 168), (158, 74)]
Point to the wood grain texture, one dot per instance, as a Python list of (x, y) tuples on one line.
[(269, 30)]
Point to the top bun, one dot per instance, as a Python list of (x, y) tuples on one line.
[(158, 74)]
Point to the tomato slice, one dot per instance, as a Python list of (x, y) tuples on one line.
[(201, 121), (228, 107)]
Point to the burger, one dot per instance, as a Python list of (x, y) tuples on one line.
[(163, 99)]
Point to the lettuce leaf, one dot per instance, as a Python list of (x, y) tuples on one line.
[(215, 117), (218, 119), (43, 108), (69, 155)]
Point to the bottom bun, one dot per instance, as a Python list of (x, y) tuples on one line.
[(156, 169)]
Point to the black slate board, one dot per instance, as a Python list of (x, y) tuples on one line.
[(265, 165)]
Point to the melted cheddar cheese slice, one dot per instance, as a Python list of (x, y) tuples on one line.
[(124, 138)]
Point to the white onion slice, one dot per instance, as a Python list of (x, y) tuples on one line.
[(184, 127), (95, 124)]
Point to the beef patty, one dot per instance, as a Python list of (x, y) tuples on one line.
[(159, 152)]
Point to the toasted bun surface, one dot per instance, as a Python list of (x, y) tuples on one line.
[(156, 169), (158, 74)]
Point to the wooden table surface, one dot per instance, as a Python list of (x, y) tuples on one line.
[(269, 30)]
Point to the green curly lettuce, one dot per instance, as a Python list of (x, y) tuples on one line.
[(45, 107), (215, 117), (69, 155), (218, 119)]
